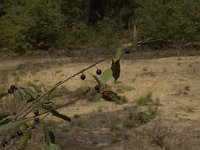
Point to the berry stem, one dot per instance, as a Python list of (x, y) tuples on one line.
[(46, 113), (53, 88)]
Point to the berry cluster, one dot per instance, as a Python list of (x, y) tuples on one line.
[(83, 76), (98, 72), (12, 89), (36, 120)]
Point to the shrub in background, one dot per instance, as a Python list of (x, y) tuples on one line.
[(32, 24), (173, 20)]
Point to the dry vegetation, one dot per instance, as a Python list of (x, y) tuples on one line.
[(163, 112)]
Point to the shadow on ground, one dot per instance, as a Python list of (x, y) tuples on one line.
[(125, 130)]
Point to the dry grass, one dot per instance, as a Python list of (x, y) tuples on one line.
[(108, 126)]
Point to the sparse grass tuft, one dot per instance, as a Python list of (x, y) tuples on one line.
[(129, 124), (65, 128), (190, 109), (145, 69), (79, 122), (76, 116), (190, 66), (145, 100), (187, 88), (114, 128)]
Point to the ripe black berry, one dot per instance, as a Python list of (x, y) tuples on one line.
[(10, 91), (5, 143), (13, 136), (36, 112), (13, 87), (127, 51), (97, 87), (83, 77), (98, 72), (19, 133), (37, 120)]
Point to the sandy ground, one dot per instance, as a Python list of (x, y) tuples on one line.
[(175, 81)]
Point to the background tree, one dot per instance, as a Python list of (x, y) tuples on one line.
[(43, 24), (32, 24)]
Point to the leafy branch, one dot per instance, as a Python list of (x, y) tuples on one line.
[(21, 121), (54, 87)]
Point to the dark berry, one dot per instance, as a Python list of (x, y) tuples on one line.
[(98, 72), (13, 87), (10, 91), (36, 112), (83, 77), (19, 133), (5, 143), (37, 120), (13, 136), (97, 87), (127, 51)]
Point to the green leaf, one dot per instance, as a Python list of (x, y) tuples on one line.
[(19, 95), (5, 114), (99, 81), (55, 95), (3, 95), (106, 75), (48, 106), (30, 93), (124, 87), (23, 140), (37, 88), (115, 69), (5, 117), (57, 114), (118, 54), (96, 97), (112, 97), (5, 121), (14, 124), (23, 127), (51, 147), (49, 135)]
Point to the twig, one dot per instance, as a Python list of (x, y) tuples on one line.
[(58, 107), (54, 87)]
